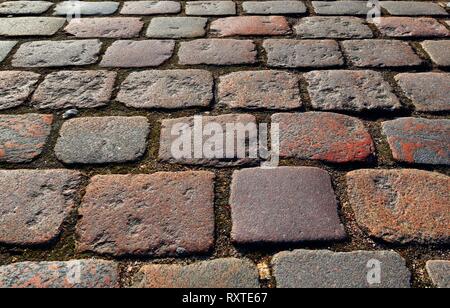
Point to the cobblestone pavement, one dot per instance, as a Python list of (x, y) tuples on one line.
[(91, 195)]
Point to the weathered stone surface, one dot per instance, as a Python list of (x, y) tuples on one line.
[(117, 27), (439, 52), (284, 205), (163, 214), (5, 48), (146, 53), (250, 25), (16, 87), (30, 26), (323, 136), (96, 140), (274, 7), (411, 27), (67, 8), (332, 27), (177, 27), (409, 8), (210, 8), (380, 53), (327, 269), (169, 89), (219, 273), (150, 7), (427, 91), (302, 53), (80, 89), (401, 206), (439, 272), (34, 205), (24, 7), (260, 90), (71, 274), (23, 137), (417, 140), (340, 7), (57, 53), (350, 90)]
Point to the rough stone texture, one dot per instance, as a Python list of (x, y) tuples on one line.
[(327, 269), (30, 26), (5, 48), (260, 90), (16, 87), (439, 272), (439, 52), (380, 53), (117, 27), (24, 7), (23, 137), (80, 89), (302, 53), (168, 89), (71, 274), (409, 8), (250, 25), (150, 7), (96, 140), (411, 27), (401, 206), (417, 140), (217, 52), (217, 274), (427, 91), (323, 136), (274, 7), (350, 90), (57, 53), (332, 27), (34, 204), (177, 27), (300, 202), (86, 8), (210, 8), (163, 214), (146, 53), (340, 7)]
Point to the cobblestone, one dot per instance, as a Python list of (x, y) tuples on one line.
[(24, 7), (250, 26), (5, 48), (399, 27), (439, 272), (150, 7), (177, 27), (30, 26), (332, 27), (340, 7), (118, 27), (210, 8), (16, 87), (274, 7), (68, 8), (439, 52)]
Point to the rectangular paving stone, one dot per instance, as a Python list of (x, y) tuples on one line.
[(71, 274), (147, 53), (168, 89), (410, 8), (324, 136), (327, 269), (250, 26), (210, 8), (30, 26), (350, 90), (35, 204), (161, 214), (116, 27), (283, 205), (217, 52), (150, 7), (401, 206), (217, 274), (5, 48), (340, 7), (98, 140), (23, 137), (439, 52), (439, 272), (16, 87), (418, 140), (332, 27), (290, 53), (411, 27), (177, 27), (73, 8), (57, 53), (74, 89), (24, 7), (274, 7)]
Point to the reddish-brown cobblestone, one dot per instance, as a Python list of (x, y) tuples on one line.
[(250, 25)]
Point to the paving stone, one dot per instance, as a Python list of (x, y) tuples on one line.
[(30, 26), (73, 8), (202, 150), (409, 8), (117, 27), (148, 53), (302, 53), (299, 201), (340, 7), (350, 90), (35, 203), (323, 136), (427, 91), (439, 272), (169, 89), (97, 140), (260, 90), (79, 89), (274, 7), (217, 52), (250, 25), (411, 27), (177, 27), (150, 7), (71, 274), (162, 214), (23, 137), (16, 87), (57, 53), (401, 206), (439, 52), (210, 8), (219, 273), (24, 7), (332, 27), (5, 48), (417, 140), (327, 269)]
